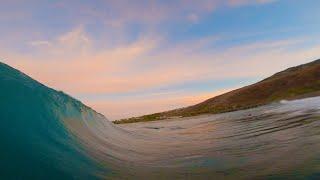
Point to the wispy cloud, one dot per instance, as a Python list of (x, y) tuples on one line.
[(135, 106), (145, 55), (73, 65), (40, 43), (117, 13), (137, 66), (245, 2)]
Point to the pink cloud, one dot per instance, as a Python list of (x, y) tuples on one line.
[(69, 63), (136, 106), (77, 69), (245, 2), (117, 13)]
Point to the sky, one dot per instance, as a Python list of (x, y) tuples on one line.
[(127, 58)]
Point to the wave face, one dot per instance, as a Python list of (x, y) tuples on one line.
[(35, 143), (46, 134)]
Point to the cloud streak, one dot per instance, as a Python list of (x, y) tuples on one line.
[(145, 56), (139, 67)]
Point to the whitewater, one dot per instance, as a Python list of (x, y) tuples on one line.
[(46, 134)]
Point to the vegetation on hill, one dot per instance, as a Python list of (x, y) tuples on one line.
[(293, 83)]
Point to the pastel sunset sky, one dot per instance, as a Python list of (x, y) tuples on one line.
[(131, 57)]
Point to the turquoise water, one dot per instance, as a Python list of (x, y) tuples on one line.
[(35, 144), (46, 134)]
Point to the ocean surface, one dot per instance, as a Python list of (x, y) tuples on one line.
[(46, 134), (280, 140)]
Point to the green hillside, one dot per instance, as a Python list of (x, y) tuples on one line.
[(293, 83)]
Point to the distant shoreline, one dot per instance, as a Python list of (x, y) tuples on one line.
[(294, 83), (309, 95)]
